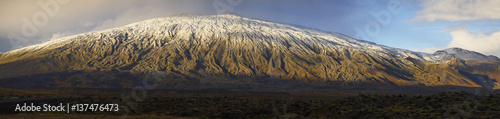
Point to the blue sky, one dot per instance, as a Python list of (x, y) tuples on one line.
[(421, 25)]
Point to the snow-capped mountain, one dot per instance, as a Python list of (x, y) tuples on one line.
[(228, 25), (460, 53), (217, 49)]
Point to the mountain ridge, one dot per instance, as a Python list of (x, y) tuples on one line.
[(218, 49), (150, 24), (456, 52)]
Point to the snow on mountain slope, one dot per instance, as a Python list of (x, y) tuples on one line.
[(234, 26), (447, 54), (212, 49)]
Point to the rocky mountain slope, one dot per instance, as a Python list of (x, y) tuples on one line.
[(472, 62), (223, 51), (460, 53)]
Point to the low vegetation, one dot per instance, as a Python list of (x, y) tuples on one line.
[(442, 105)]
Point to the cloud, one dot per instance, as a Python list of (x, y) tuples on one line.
[(484, 43), (461, 37), (154, 10), (458, 10), (72, 16), (468, 13), (80, 16)]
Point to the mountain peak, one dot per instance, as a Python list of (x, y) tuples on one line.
[(241, 31), (193, 50), (461, 53)]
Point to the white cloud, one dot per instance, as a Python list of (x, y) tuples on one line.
[(484, 43), (458, 10), (488, 44), (83, 16)]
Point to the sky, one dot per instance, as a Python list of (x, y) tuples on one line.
[(420, 25)]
